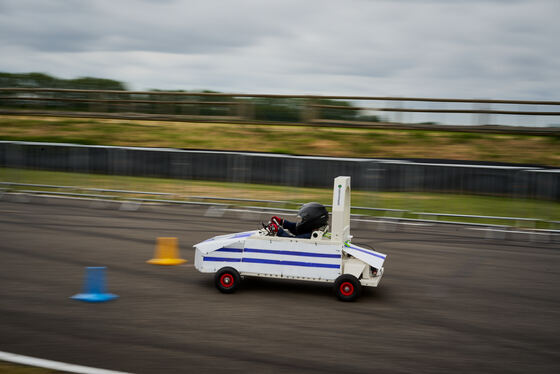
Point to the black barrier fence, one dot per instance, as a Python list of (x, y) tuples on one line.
[(285, 170)]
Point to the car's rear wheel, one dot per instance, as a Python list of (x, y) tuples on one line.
[(227, 280), (347, 287)]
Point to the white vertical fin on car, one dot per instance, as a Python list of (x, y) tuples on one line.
[(341, 209)]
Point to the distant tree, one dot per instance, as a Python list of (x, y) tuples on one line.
[(94, 84), (337, 114), (368, 118), (263, 108), (41, 80), (277, 109), (31, 80)]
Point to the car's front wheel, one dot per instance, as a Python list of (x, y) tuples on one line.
[(227, 280), (347, 287)]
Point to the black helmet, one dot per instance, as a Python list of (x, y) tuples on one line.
[(313, 216)]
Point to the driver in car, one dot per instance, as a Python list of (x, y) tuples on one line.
[(313, 217)]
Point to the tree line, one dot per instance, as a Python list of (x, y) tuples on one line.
[(265, 109)]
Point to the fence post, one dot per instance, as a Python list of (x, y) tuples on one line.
[(309, 111), (291, 176), (15, 163), (182, 169), (237, 173), (372, 174)]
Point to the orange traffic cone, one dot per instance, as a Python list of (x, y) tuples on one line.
[(167, 253)]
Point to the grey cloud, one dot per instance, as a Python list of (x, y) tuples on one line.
[(407, 47), (174, 27)]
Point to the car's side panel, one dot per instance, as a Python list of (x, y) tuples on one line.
[(370, 257), (286, 257), (229, 255)]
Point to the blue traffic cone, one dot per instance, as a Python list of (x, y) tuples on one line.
[(94, 288)]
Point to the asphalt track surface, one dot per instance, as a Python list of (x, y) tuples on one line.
[(449, 302)]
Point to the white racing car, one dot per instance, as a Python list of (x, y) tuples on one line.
[(322, 258)]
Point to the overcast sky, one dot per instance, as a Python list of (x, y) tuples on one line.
[(428, 48)]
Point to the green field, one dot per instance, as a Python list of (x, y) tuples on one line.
[(8, 368), (343, 142)]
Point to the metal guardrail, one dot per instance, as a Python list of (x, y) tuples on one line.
[(360, 217), (497, 218), (133, 192), (83, 188)]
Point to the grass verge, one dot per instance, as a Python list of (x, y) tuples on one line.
[(9, 368), (342, 142)]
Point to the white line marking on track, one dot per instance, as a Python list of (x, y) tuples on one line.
[(54, 365)]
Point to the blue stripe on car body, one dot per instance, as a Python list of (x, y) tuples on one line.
[(221, 259), (290, 263), (242, 235), (365, 251), (271, 262), (291, 253), (234, 250)]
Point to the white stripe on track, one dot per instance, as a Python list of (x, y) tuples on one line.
[(54, 365)]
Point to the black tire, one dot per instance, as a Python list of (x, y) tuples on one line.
[(227, 280), (347, 287)]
